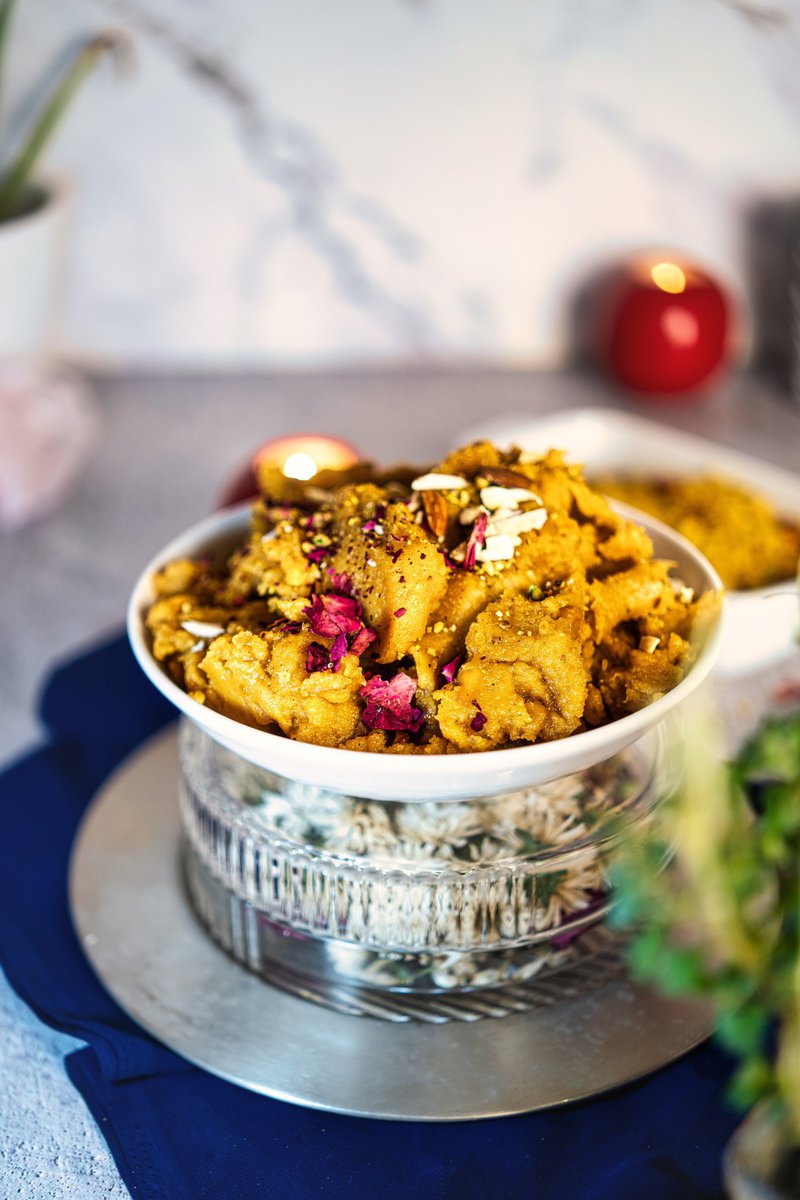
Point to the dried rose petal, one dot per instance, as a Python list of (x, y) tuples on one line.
[(399, 612), (287, 626), (450, 669), (341, 583), (363, 639), (317, 554), (338, 650), (479, 720), (389, 703), (476, 538), (333, 613), (368, 526), (317, 658)]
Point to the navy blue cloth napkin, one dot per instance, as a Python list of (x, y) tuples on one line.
[(178, 1133)]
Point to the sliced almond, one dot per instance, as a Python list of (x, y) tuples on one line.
[(649, 644), (438, 483), (519, 522), (503, 497), (467, 515), (499, 547), (505, 477), (202, 629), (436, 513)]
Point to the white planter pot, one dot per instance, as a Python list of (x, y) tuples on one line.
[(31, 260)]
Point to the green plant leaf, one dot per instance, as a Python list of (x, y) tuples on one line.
[(774, 751), (752, 1080), (6, 12), (743, 1030), (17, 177)]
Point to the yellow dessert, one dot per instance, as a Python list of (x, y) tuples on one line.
[(493, 601), (738, 531)]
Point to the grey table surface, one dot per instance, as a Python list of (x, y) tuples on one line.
[(167, 447)]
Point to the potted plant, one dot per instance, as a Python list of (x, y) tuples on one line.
[(47, 425), (32, 208), (712, 892)]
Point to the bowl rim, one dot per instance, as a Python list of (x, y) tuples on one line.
[(223, 524)]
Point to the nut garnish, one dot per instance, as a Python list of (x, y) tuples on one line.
[(468, 515), (438, 483), (202, 629), (436, 512), (520, 522), (505, 477), (649, 644), (499, 546), (503, 497)]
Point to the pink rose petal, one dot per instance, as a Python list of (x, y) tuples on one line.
[(333, 613), (341, 583), (450, 669), (286, 626), (389, 703), (363, 639), (338, 650), (476, 538), (317, 658), (479, 720)]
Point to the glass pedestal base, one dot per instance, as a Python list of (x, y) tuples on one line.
[(380, 907)]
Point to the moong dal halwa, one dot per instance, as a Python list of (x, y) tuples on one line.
[(494, 601), (738, 531)]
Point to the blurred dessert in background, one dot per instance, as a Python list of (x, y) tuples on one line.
[(739, 532)]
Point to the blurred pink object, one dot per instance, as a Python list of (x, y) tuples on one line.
[(48, 426)]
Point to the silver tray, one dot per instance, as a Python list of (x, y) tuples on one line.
[(145, 944)]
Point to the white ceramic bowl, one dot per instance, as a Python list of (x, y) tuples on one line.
[(759, 626), (426, 777)]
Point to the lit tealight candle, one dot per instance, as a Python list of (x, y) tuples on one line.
[(302, 456)]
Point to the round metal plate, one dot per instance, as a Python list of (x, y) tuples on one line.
[(149, 950)]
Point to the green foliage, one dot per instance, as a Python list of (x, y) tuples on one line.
[(711, 892), (6, 11), (16, 176)]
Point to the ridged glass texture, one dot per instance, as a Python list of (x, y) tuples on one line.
[(401, 894)]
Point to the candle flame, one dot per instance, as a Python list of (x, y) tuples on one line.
[(669, 277), (300, 465)]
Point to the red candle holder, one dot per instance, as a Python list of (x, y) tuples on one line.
[(664, 327)]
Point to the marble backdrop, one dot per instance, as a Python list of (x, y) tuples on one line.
[(318, 181)]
